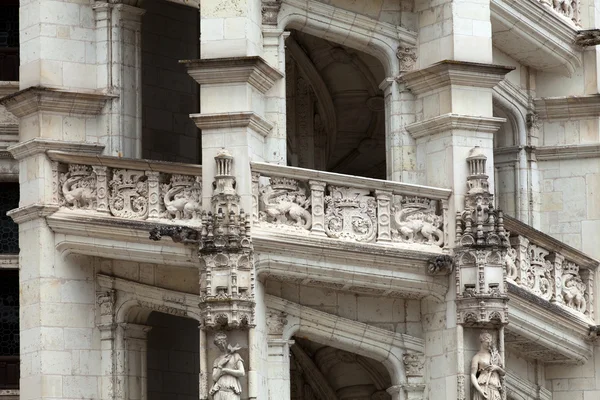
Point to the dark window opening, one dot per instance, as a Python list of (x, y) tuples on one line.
[(9, 230), (9, 329), (9, 42)]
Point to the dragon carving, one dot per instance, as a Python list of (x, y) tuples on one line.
[(283, 202), (79, 187), (416, 221), (182, 198)]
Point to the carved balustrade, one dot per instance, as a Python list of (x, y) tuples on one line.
[(550, 269), (126, 188), (568, 9), (350, 208)]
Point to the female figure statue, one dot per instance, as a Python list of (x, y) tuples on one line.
[(486, 371), (228, 368)]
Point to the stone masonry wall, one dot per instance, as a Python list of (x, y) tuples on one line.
[(169, 95)]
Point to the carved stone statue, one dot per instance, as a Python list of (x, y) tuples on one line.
[(228, 368), (487, 371)]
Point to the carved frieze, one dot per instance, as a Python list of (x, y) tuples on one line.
[(127, 193), (350, 214), (573, 288)]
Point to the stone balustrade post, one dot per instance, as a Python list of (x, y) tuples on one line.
[(383, 215), (153, 194), (101, 189), (587, 275), (255, 196), (521, 244), (556, 260), (317, 200)]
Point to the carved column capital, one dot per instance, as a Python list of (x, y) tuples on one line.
[(276, 322)]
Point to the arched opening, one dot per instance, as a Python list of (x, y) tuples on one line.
[(334, 107), (322, 372), (173, 357)]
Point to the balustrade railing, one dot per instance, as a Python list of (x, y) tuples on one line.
[(126, 188), (349, 208), (550, 269)]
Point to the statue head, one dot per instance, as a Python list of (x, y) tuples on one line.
[(221, 341), (486, 341)]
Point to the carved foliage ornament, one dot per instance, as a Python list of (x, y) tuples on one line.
[(270, 11)]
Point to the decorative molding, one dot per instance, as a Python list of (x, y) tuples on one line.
[(28, 213), (38, 145), (40, 99), (567, 152), (233, 120), (454, 73), (253, 70), (449, 122), (377, 38), (568, 107), (541, 28), (8, 88)]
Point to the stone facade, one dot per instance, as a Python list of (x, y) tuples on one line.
[(285, 199)]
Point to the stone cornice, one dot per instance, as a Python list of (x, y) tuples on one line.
[(31, 212), (456, 73), (8, 87), (39, 145), (448, 122), (575, 107), (568, 152), (75, 157), (233, 120), (38, 98), (253, 70), (540, 28), (517, 227)]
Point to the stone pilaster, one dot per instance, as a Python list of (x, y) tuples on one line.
[(119, 71), (136, 368)]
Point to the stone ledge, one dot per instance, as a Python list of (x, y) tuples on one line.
[(9, 261), (33, 211), (538, 27), (454, 73), (38, 98), (447, 122), (233, 120), (8, 88), (551, 333), (568, 107), (252, 70), (574, 152), (40, 145)]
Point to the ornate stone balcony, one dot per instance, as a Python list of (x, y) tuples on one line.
[(348, 208), (551, 270), (126, 188)]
